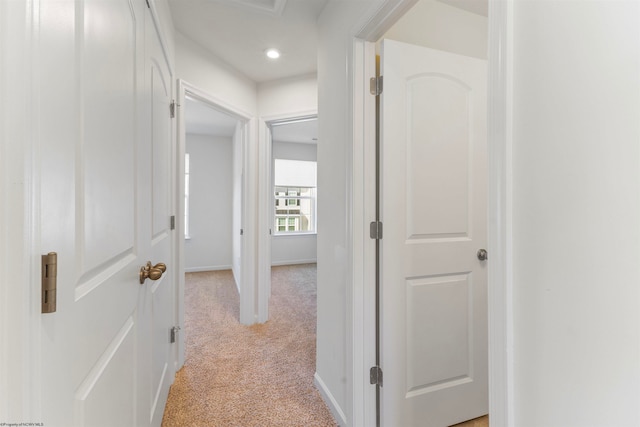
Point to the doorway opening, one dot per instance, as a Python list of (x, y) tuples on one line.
[(213, 196), (289, 188), (216, 131)]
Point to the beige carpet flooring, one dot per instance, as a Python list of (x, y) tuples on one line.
[(248, 376), (478, 422)]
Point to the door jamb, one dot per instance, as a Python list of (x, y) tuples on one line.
[(247, 296), (499, 230)]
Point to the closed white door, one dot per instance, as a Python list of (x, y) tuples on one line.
[(433, 209), (104, 355)]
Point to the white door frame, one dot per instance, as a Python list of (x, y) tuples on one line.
[(247, 296), (500, 58), (265, 204)]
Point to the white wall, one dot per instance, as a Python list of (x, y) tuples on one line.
[(288, 96), (202, 69), (210, 203), (433, 24), (300, 248), (576, 213)]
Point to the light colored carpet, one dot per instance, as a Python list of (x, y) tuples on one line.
[(248, 376), (478, 422)]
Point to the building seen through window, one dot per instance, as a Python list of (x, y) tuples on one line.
[(295, 209), (295, 196)]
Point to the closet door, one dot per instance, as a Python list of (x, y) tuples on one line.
[(104, 205)]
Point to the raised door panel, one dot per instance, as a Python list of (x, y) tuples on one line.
[(107, 156), (438, 332), (437, 157)]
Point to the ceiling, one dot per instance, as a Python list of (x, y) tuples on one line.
[(302, 131), (239, 31), (202, 119)]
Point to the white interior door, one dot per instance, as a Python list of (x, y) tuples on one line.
[(433, 208), (101, 198)]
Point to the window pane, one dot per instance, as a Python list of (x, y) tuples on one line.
[(294, 205)]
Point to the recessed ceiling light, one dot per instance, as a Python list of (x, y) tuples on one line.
[(272, 53)]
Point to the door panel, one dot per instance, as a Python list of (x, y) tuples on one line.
[(433, 206), (108, 130), (97, 212), (448, 352), (438, 143)]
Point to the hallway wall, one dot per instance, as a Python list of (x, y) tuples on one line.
[(210, 203), (576, 213), (201, 68), (288, 96)]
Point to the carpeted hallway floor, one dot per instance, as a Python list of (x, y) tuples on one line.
[(248, 376)]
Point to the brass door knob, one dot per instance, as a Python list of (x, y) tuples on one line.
[(153, 272)]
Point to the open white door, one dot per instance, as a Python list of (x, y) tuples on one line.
[(157, 307), (433, 208), (105, 211)]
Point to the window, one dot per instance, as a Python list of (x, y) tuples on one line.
[(186, 195), (295, 196)]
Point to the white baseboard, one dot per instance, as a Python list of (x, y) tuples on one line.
[(207, 268), (328, 398), (294, 262)]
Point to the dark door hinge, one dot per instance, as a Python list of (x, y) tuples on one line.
[(375, 375), (174, 334), (172, 222), (375, 85), (172, 109), (375, 230)]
